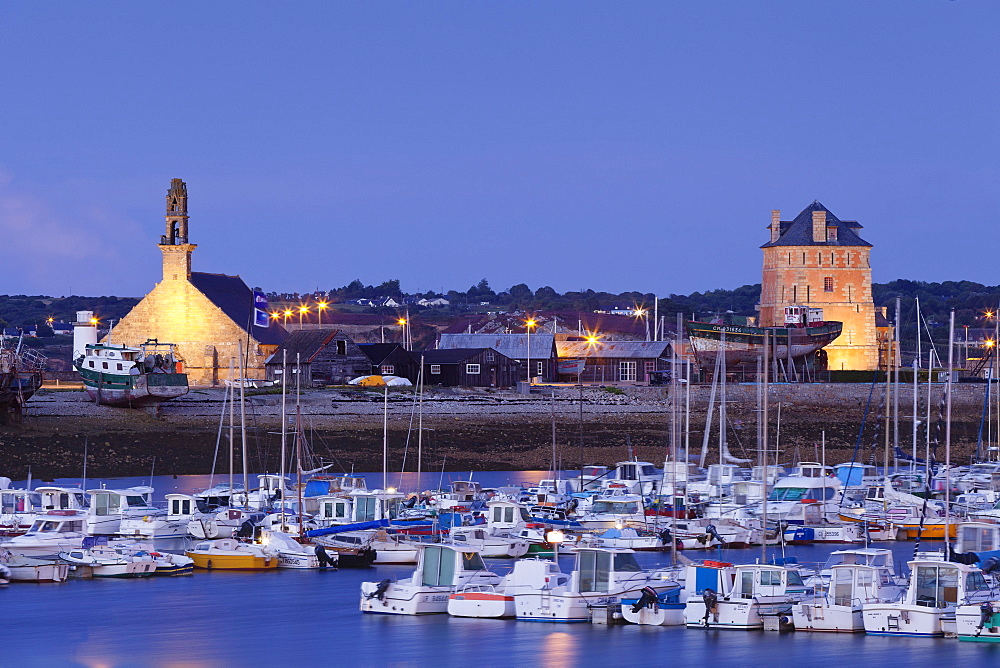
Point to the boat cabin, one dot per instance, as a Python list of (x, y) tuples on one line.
[(944, 584), (334, 509), (599, 570), (773, 473), (723, 475), (851, 584), (377, 504), (977, 537), (62, 498), (506, 515), (181, 505), (855, 474), (798, 488), (811, 470), (59, 521), (450, 566), (117, 501), (332, 485), (15, 501)]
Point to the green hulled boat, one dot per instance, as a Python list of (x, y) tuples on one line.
[(117, 375)]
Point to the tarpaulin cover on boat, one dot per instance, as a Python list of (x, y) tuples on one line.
[(357, 526)]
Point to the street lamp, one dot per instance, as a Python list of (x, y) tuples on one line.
[(555, 537), (287, 314), (528, 325), (320, 306), (402, 331), (302, 310)]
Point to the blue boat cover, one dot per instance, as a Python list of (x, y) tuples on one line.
[(357, 526)]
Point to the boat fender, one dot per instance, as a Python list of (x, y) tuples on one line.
[(646, 600)]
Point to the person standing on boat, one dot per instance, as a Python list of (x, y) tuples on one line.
[(711, 600)]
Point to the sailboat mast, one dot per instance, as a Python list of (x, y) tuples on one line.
[(232, 425), (298, 464), (284, 428), (895, 394), (385, 438), (763, 451), (420, 424), (947, 437)]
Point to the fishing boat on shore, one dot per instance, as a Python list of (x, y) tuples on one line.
[(20, 377), (118, 375), (803, 333)]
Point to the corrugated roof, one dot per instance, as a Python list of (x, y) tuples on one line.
[(306, 343), (798, 232), (235, 299), (449, 355), (612, 349), (514, 346)]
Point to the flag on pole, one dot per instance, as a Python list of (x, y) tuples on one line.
[(261, 316)]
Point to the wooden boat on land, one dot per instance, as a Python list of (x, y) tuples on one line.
[(117, 375)]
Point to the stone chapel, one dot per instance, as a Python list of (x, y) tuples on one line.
[(206, 315)]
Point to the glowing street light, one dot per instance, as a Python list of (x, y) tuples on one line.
[(402, 332), (302, 311), (287, 314), (528, 325), (320, 307)]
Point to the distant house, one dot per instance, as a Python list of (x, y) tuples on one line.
[(62, 328), (391, 359), (431, 303), (468, 367), (539, 348), (387, 301), (612, 361), (325, 357)]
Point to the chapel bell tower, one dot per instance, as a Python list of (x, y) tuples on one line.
[(174, 244)]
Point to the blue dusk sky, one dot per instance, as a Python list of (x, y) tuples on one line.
[(607, 145)]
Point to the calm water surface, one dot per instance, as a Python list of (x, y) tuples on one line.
[(286, 617)]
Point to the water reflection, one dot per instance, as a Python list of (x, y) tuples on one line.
[(559, 649)]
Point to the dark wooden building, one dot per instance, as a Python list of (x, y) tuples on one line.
[(538, 350), (468, 367), (325, 356), (391, 359), (607, 362)]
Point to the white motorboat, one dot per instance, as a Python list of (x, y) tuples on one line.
[(54, 532), (625, 538), (18, 509), (601, 578), (104, 561), (839, 607), (108, 507), (653, 608), (293, 554), (978, 622), (224, 522), (608, 512), (484, 601), (180, 509), (167, 563), (936, 589), (491, 547), (29, 569), (720, 595), (441, 571)]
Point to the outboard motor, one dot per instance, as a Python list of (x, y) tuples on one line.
[(646, 600), (323, 557), (380, 590)]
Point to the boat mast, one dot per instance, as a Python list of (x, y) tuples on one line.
[(763, 451), (895, 394), (947, 438), (232, 425), (243, 428), (284, 429), (420, 423), (385, 437)]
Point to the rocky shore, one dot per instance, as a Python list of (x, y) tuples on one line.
[(462, 430)]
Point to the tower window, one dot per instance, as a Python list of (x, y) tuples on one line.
[(803, 258), (848, 259), (828, 284)]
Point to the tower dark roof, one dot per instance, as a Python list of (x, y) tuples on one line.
[(235, 299), (799, 232)]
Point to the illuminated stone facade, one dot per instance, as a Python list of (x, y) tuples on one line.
[(819, 260), (207, 316)]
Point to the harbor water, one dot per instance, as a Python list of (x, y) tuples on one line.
[(292, 617)]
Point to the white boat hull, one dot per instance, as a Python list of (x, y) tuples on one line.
[(654, 615), (899, 619), (825, 617), (481, 604), (404, 599)]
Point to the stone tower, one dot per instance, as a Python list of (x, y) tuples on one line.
[(174, 244), (819, 260)]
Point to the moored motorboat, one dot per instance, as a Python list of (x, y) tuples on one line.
[(103, 561), (227, 554), (441, 571)]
